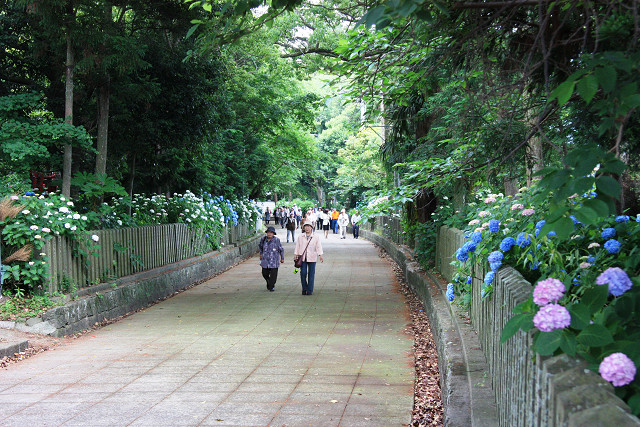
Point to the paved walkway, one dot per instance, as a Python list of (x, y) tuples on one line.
[(228, 352)]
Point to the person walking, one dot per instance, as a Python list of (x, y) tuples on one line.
[(334, 220), (343, 222), (291, 227), (271, 256), (267, 215), (326, 222), (355, 222), (309, 248)]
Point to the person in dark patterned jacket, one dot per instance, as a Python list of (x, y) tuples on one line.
[(271, 256)]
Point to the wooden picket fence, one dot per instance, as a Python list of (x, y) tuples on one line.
[(126, 251)]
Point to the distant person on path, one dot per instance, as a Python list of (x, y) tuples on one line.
[(334, 220), (355, 222), (326, 222), (267, 215), (271, 256), (291, 227), (343, 222), (309, 248), (318, 212)]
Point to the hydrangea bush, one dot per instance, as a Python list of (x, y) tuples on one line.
[(42, 216), (586, 298)]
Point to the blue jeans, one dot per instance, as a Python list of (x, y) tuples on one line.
[(307, 268), (293, 235)]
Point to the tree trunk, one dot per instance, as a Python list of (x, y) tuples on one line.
[(103, 128), (68, 116)]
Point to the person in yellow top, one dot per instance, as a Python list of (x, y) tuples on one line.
[(334, 220)]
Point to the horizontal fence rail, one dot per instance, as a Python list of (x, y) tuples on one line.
[(126, 251)]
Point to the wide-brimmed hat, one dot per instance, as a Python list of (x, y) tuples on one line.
[(271, 229), (309, 223)]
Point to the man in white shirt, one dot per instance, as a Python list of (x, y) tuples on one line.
[(343, 222), (355, 222)]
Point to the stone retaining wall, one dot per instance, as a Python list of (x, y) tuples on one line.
[(133, 292), (530, 391)]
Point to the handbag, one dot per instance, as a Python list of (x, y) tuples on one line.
[(298, 262)]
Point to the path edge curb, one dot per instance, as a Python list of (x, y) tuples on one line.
[(128, 294), (467, 396)]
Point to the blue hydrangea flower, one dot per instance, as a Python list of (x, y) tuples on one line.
[(495, 265), (612, 246), (483, 291), (494, 225), (461, 255), (523, 240), (467, 234), (638, 218), (551, 235), (540, 224), (608, 233), (450, 292), (488, 278), (617, 279), (622, 218), (534, 265), (469, 280), (29, 193), (476, 237), (575, 220), (537, 232), (469, 247), (507, 243), (591, 259), (495, 256)]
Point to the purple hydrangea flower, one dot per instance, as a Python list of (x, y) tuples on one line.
[(622, 218), (523, 240), (507, 243), (608, 233), (552, 317), (488, 278), (495, 256), (461, 255), (495, 265), (612, 246), (617, 279), (476, 237), (494, 225), (547, 291), (450, 292), (618, 369)]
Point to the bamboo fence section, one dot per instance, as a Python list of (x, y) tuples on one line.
[(126, 251)]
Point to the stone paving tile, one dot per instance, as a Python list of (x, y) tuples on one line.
[(227, 352)]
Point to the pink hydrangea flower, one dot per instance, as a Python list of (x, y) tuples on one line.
[(528, 212), (474, 222), (618, 369), (547, 291), (484, 213), (584, 265), (517, 206), (490, 200), (552, 317)]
